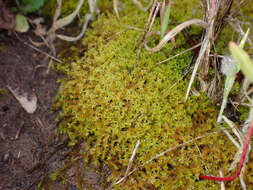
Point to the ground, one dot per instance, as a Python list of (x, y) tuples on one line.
[(31, 147)]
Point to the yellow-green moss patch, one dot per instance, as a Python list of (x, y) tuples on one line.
[(112, 104)]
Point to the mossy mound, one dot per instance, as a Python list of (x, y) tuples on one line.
[(112, 103)]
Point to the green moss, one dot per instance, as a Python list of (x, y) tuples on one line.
[(244, 112), (3, 93), (183, 10), (112, 104), (69, 6)]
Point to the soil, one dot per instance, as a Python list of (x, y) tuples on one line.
[(31, 147)]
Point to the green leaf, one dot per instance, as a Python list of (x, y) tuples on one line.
[(165, 20), (30, 6), (228, 86), (243, 59), (242, 43), (21, 24), (230, 68)]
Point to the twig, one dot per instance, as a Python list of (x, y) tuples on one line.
[(38, 50), (19, 130)]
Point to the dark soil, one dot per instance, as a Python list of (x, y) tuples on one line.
[(31, 147)]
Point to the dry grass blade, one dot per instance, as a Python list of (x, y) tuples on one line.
[(115, 7), (94, 10), (142, 38), (200, 154), (181, 53), (236, 25), (242, 4), (222, 185), (204, 52), (214, 89), (68, 19), (149, 33), (139, 5), (88, 18), (235, 130), (220, 23), (130, 163), (244, 187), (216, 14), (165, 17), (236, 159), (154, 16), (238, 154), (239, 135), (201, 53), (57, 11), (175, 31), (231, 138)]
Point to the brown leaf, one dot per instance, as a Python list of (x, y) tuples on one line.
[(28, 102)]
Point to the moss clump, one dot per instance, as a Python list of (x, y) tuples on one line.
[(69, 6), (112, 104)]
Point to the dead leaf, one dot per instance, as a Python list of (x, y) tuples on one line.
[(28, 102)]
